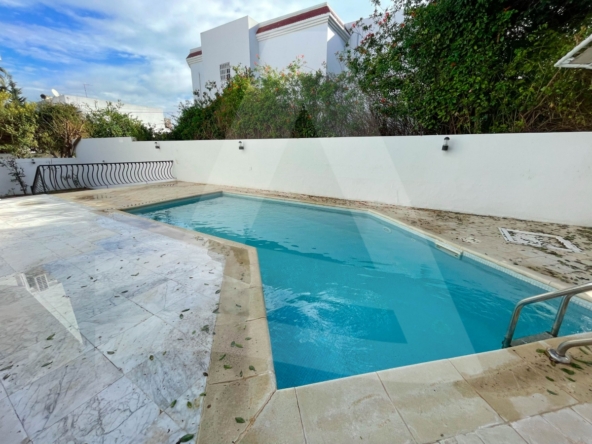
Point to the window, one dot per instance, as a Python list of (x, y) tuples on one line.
[(224, 72)]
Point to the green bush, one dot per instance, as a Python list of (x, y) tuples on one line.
[(475, 66)]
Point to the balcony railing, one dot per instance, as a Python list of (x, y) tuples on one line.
[(64, 177)]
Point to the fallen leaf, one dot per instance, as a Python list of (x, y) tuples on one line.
[(222, 357), (189, 405), (252, 368), (151, 357), (49, 338), (183, 311), (135, 274), (239, 420), (110, 352), (247, 339), (10, 366), (202, 394), (45, 365), (217, 291), (181, 316), (174, 403), (227, 367), (206, 328), (185, 438)]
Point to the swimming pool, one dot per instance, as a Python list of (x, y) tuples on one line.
[(347, 292)]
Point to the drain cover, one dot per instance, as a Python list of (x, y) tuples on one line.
[(538, 240)]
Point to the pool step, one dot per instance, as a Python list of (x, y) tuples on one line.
[(530, 339)]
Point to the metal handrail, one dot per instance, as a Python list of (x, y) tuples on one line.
[(560, 353), (62, 177), (568, 293)]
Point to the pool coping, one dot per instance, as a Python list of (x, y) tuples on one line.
[(258, 391)]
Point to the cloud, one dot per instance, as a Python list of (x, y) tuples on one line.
[(133, 50)]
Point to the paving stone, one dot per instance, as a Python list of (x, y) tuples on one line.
[(435, 402), (535, 430)]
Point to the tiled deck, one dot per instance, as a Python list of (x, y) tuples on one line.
[(111, 381), (101, 327)]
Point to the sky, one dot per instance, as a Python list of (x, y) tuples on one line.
[(129, 50)]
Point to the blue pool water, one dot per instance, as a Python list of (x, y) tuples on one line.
[(348, 293)]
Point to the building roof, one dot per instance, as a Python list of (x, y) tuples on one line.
[(298, 16), (292, 19), (579, 57)]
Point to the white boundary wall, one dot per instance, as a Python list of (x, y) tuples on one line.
[(8, 188), (544, 177)]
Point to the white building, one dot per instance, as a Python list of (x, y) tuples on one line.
[(316, 33), (153, 117)]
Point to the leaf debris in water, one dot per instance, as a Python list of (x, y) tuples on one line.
[(49, 338), (174, 403), (239, 420)]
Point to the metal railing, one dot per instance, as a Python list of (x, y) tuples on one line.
[(63, 177), (567, 294), (560, 353)]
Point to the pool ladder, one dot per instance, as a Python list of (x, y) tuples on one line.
[(566, 294)]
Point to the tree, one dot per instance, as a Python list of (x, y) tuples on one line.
[(7, 84), (17, 126), (111, 122), (60, 127), (475, 66)]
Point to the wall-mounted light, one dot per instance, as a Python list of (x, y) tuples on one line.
[(156, 145), (33, 161), (445, 146), (241, 146)]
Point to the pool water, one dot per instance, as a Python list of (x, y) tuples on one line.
[(349, 293)]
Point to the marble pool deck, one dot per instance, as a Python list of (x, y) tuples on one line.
[(114, 328)]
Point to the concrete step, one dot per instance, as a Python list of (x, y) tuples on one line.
[(530, 339)]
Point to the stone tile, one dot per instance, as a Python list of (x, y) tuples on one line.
[(3, 393), (570, 424), (575, 379), (509, 385), (167, 377), (244, 354), (10, 427), (28, 365), (469, 438), (108, 324), (355, 409), (193, 313), (120, 413), (279, 422), (498, 434), (585, 411), (160, 295), (435, 401), (240, 302), (188, 416), (27, 322), (55, 395), (226, 402), (535, 430)]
